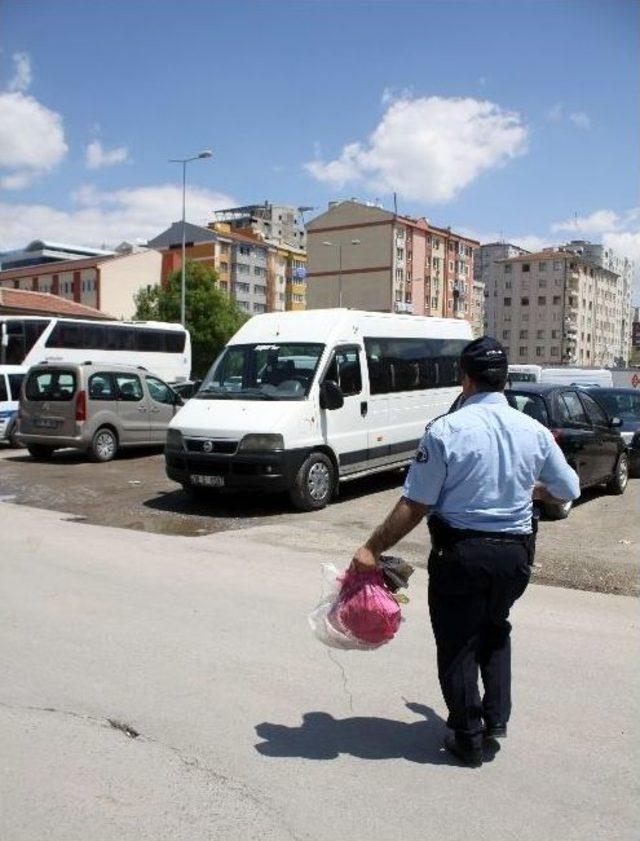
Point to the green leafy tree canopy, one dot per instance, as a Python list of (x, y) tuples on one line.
[(212, 317)]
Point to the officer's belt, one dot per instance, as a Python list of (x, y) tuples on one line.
[(443, 535)]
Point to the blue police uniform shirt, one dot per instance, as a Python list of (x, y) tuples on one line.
[(476, 467)]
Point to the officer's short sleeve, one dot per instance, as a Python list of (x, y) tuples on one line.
[(427, 472)]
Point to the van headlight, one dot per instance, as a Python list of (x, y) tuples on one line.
[(174, 439), (261, 443)]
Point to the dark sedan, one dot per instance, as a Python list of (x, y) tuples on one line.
[(587, 434), (623, 403)]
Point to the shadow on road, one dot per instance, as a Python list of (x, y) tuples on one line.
[(74, 457), (321, 736)]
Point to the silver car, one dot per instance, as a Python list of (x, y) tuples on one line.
[(95, 408)]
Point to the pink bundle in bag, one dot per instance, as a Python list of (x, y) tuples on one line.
[(366, 608)]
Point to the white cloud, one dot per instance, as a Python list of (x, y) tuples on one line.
[(580, 119), (428, 148), (595, 223), (558, 113), (99, 218), (97, 156), (22, 75), (31, 139)]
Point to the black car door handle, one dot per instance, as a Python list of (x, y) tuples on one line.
[(364, 408)]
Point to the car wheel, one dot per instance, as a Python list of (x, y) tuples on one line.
[(559, 511), (40, 451), (618, 482), (104, 445), (314, 483)]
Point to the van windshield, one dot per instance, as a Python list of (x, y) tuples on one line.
[(268, 371)]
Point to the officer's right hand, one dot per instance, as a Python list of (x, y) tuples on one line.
[(363, 560)]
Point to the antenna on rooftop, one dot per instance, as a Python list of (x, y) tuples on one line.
[(395, 204)]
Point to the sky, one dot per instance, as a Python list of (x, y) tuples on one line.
[(515, 120)]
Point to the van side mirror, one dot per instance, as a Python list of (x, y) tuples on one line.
[(331, 396), (615, 423)]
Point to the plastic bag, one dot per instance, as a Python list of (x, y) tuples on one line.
[(356, 611)]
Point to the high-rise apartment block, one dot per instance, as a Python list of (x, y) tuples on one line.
[(604, 256), (556, 308), (483, 261), (276, 223), (259, 276), (362, 256)]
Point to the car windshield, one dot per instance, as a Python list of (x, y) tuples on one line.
[(529, 404), (621, 404), (267, 371)]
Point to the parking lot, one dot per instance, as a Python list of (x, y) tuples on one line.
[(596, 548)]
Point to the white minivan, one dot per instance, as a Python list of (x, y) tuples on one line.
[(300, 401)]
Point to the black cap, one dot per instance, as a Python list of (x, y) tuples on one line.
[(483, 354)]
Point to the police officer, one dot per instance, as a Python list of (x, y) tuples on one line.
[(475, 476)]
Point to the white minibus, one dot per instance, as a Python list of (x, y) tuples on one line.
[(560, 376), (299, 401), (163, 349)]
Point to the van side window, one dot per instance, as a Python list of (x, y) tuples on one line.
[(344, 370), (129, 387), (397, 365), (3, 389), (160, 392), (101, 387)]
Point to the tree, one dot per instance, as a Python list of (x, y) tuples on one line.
[(212, 318)]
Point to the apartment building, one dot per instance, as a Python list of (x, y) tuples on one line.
[(108, 283), (477, 308), (258, 275), (554, 307), (278, 224), (606, 257), (483, 267), (365, 257)]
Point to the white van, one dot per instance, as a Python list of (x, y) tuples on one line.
[(11, 377), (300, 401), (560, 376)]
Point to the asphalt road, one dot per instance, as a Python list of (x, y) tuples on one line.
[(595, 549), (165, 688)]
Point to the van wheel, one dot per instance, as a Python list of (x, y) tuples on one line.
[(314, 483), (557, 512), (40, 452), (618, 482), (104, 445)]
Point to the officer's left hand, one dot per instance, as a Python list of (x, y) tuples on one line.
[(363, 560)]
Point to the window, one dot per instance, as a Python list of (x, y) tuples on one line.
[(259, 271), (101, 387), (15, 384), (570, 409), (524, 334), (66, 334), (128, 387), (224, 266), (507, 302), (243, 268), (542, 301), (539, 334), (242, 287), (595, 414), (260, 290), (507, 284), (529, 404), (526, 267), (259, 307), (539, 351), (52, 386), (557, 264), (542, 266), (506, 334), (554, 334), (411, 364), (245, 250), (507, 268), (160, 392), (525, 316), (344, 370), (3, 389), (522, 350), (542, 282), (450, 265), (557, 299), (524, 302)]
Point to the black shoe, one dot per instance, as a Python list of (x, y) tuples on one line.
[(469, 755), (495, 731)]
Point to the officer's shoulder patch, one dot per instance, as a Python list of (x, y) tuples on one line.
[(422, 456)]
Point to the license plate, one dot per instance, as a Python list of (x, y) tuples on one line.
[(208, 481), (46, 423)]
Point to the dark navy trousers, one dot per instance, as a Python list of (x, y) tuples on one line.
[(474, 579)]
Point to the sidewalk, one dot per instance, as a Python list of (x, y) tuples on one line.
[(245, 729)]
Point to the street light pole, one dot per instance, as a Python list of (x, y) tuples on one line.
[(206, 153), (339, 247)]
